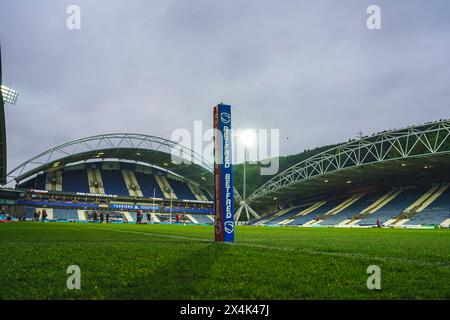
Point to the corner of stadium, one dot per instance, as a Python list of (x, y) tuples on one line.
[(115, 174), (396, 178)]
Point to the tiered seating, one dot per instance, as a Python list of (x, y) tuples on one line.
[(75, 181), (255, 221), (148, 185), (202, 219), (351, 210), (113, 182), (181, 189), (40, 181), (287, 215), (320, 211), (435, 213), (30, 184), (65, 214), (393, 208), (207, 195)]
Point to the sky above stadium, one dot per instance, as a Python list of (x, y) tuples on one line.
[(309, 68)]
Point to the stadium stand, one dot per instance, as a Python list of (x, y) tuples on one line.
[(113, 182), (284, 216), (181, 190), (306, 215), (95, 180), (354, 207), (40, 182), (435, 213), (207, 195), (132, 184), (75, 181), (148, 185), (165, 186), (65, 214), (201, 219), (392, 209), (327, 207)]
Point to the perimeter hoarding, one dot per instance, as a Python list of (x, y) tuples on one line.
[(223, 175)]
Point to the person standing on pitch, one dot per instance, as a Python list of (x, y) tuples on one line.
[(149, 218), (44, 215), (102, 217), (107, 217), (36, 215)]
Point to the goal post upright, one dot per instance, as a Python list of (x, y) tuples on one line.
[(223, 175)]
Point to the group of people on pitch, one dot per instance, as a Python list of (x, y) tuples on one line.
[(100, 217), (140, 217), (38, 215)]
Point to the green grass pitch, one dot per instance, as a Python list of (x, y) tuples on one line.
[(182, 262)]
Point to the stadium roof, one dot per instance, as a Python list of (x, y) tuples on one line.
[(139, 148), (396, 157)]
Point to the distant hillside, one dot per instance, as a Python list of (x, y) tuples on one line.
[(255, 179)]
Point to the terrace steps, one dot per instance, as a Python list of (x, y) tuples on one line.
[(432, 198), (304, 212), (95, 181), (389, 222), (128, 217), (81, 215), (344, 205), (190, 217), (386, 200), (130, 181), (197, 192), (378, 203), (446, 223), (155, 218), (353, 222), (53, 181), (421, 200), (165, 187)]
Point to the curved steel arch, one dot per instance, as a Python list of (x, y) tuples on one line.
[(415, 141), (98, 143), (113, 141)]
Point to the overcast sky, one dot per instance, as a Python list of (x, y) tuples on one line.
[(309, 68)]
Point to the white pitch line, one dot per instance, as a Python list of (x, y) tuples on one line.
[(301, 250)]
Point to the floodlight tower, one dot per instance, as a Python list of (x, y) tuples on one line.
[(247, 138), (10, 96)]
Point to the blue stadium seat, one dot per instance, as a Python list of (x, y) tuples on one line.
[(113, 182), (436, 213), (75, 181), (284, 216), (148, 185), (181, 189), (352, 210), (202, 219), (394, 208), (65, 214), (40, 181)]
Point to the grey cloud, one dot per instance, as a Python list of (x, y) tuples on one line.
[(309, 68)]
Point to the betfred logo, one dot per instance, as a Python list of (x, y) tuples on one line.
[(225, 117), (229, 226)]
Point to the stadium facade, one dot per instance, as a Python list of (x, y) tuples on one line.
[(119, 174), (394, 178)]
